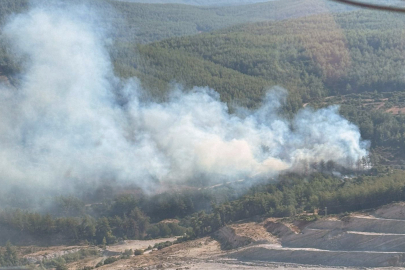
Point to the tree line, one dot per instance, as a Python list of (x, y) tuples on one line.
[(106, 220), (290, 195), (295, 194)]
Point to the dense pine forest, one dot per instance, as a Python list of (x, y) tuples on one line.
[(342, 57), (144, 23), (358, 64), (130, 216), (348, 57)]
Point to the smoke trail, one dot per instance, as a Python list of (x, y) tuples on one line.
[(65, 125)]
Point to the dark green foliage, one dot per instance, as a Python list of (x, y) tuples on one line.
[(135, 23), (58, 262), (170, 205), (351, 53), (126, 217), (123, 205), (385, 131), (9, 256), (138, 252), (343, 57), (83, 253), (291, 195), (110, 260), (294, 194), (68, 206), (69, 258), (61, 267), (164, 229), (162, 245), (103, 232), (382, 129), (233, 85), (145, 23), (128, 252)]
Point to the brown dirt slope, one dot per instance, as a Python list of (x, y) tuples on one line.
[(392, 211), (376, 239), (242, 234)]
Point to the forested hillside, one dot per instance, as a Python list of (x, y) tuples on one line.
[(198, 2), (341, 57), (128, 24), (356, 55), (129, 216), (146, 22), (354, 59)]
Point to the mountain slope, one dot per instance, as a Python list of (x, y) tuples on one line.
[(314, 56)]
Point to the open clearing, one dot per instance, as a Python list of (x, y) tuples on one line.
[(373, 240)]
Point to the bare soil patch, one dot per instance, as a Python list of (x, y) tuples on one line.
[(392, 211), (396, 110), (137, 244)]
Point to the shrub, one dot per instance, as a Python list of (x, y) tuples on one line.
[(163, 245), (110, 260), (138, 252), (128, 252)]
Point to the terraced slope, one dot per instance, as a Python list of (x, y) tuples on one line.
[(375, 240), (320, 257)]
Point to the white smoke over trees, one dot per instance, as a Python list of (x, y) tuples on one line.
[(64, 123)]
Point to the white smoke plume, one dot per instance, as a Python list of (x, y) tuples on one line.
[(64, 123)]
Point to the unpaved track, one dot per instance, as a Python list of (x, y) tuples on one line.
[(279, 247), (137, 244)]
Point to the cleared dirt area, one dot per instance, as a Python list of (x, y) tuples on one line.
[(357, 241), (396, 110), (392, 211), (50, 253), (389, 105), (137, 244), (242, 234), (373, 240), (255, 231)]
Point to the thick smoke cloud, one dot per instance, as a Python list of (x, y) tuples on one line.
[(64, 123)]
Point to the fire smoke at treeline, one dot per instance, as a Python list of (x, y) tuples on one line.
[(64, 123)]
